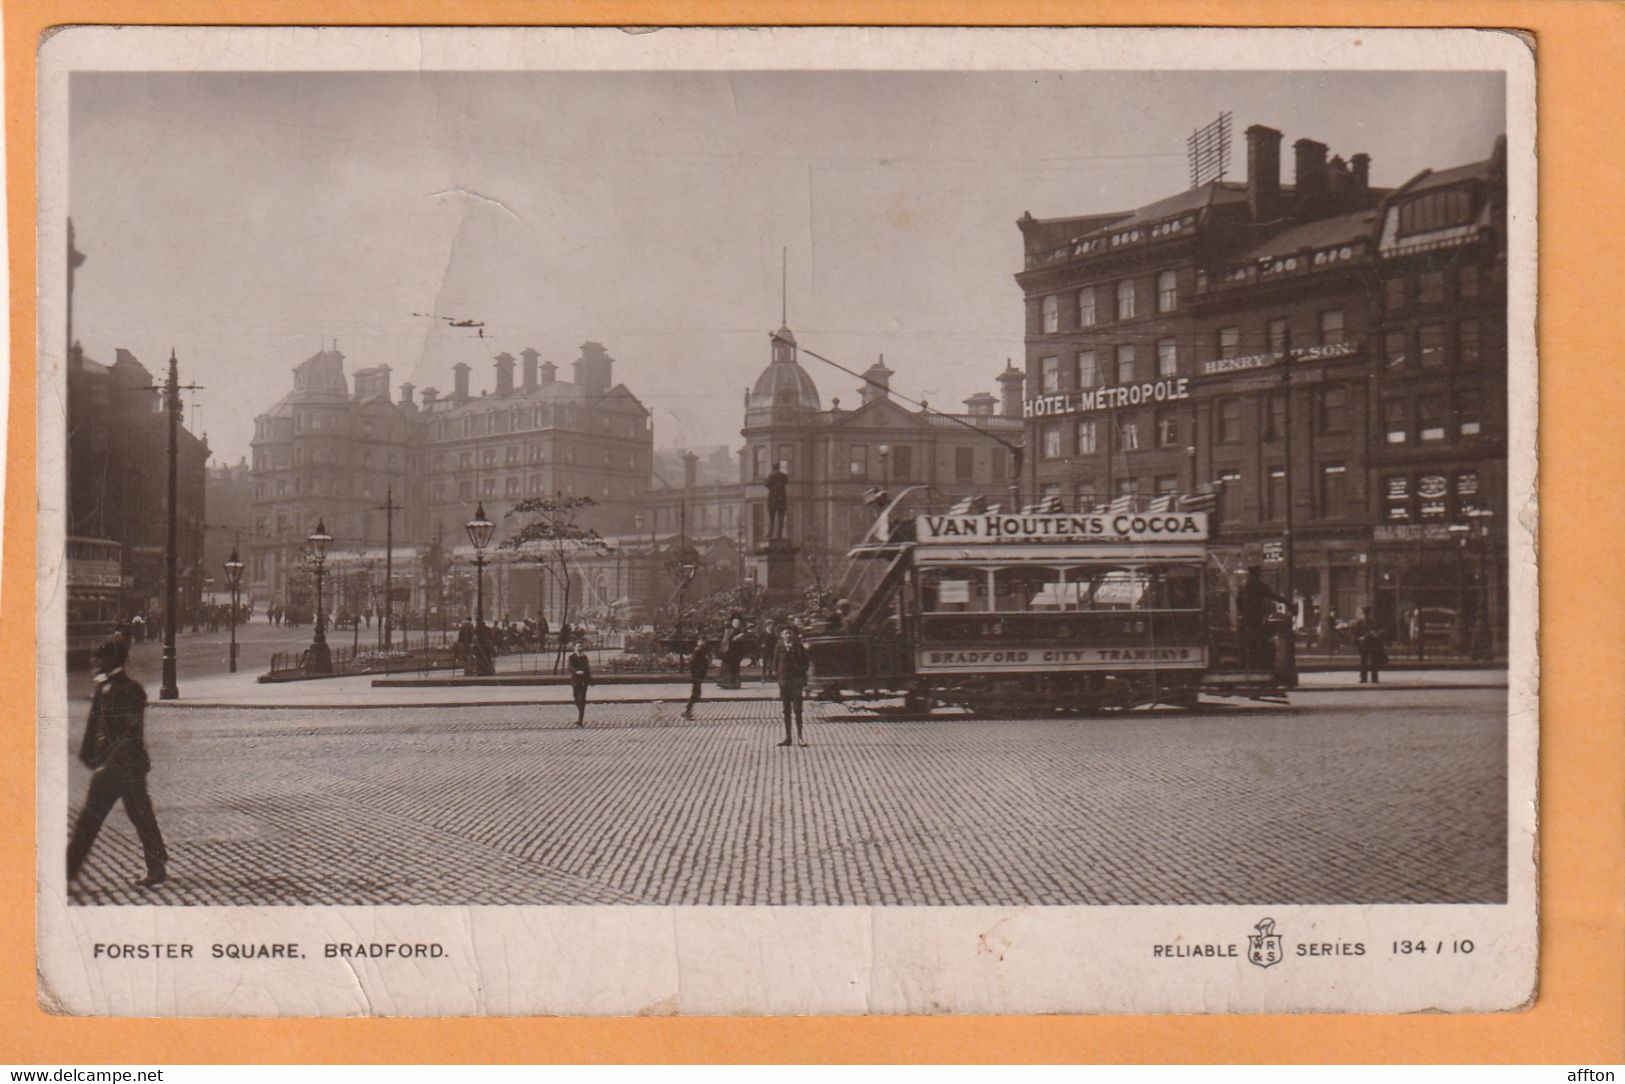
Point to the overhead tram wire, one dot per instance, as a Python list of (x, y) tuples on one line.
[(1016, 450)]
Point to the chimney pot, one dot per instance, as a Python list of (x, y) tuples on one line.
[(1360, 168), (406, 393)]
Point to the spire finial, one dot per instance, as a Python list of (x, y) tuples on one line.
[(784, 286)]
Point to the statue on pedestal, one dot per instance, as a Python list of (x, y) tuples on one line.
[(778, 500)]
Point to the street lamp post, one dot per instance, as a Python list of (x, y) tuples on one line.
[(480, 530), (234, 579), (321, 659)]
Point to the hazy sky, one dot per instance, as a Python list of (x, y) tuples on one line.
[(249, 219)]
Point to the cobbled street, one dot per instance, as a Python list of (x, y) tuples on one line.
[(1344, 797)]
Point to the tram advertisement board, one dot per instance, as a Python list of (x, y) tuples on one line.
[(978, 659), (1090, 527)]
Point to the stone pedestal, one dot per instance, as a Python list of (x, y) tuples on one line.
[(778, 558)]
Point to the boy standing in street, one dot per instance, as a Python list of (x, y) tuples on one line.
[(699, 661), (792, 673)]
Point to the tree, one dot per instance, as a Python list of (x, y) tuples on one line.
[(550, 537)]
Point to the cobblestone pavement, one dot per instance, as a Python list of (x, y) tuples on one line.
[(1344, 797)]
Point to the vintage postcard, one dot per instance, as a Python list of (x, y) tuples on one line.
[(786, 521)]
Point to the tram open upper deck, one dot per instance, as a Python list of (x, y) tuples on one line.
[(1036, 610)]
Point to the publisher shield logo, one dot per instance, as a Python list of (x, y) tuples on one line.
[(1264, 946)]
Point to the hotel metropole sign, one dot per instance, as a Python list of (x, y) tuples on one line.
[(1092, 399)]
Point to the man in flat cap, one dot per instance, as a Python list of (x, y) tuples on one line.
[(115, 749)]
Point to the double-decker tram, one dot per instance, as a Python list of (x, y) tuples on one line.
[(95, 585), (1036, 611)]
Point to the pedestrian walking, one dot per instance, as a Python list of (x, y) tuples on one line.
[(1253, 612), (792, 674), (731, 648), (580, 677), (1373, 654), (115, 748), (699, 661)]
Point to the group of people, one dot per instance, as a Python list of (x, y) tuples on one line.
[(1264, 629), (784, 660)]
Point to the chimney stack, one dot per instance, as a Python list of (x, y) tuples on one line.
[(504, 373), (406, 394), (1360, 168), (981, 405), (459, 386), (1263, 173), (550, 372), (1011, 383), (1310, 170), (527, 359), (691, 466), (430, 395)]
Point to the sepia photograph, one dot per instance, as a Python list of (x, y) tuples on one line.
[(912, 487)]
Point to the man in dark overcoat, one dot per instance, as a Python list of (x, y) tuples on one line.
[(115, 748)]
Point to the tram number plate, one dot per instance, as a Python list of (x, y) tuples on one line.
[(1063, 658)]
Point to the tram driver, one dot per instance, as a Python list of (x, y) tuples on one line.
[(1253, 613)]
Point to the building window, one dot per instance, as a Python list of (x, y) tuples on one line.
[(1125, 299), (1050, 447), (902, 468), (1049, 375), (858, 465), (1393, 294), (1052, 314), (1435, 211), (1467, 281), (512, 456), (1468, 346), (1167, 357), (1394, 425), (1469, 412), (1128, 487), (1273, 416), (510, 485), (1128, 433), (1125, 364), (1275, 494), (465, 491), (1467, 496), (1229, 342), (1167, 427), (1396, 489), (1088, 435), (1334, 490), (1276, 331), (1229, 427), (1088, 377), (964, 464), (1431, 346), (1394, 349), (1430, 288), (488, 457), (1086, 307), (1331, 327), (1333, 409), (1167, 292), (1430, 417), (1084, 496), (1433, 494), (488, 487), (1166, 484), (1229, 492)]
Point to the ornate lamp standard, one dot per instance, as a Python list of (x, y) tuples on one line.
[(321, 660), (480, 530), (686, 570), (234, 579)]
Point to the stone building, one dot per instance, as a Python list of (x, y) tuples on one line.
[(118, 448), (834, 457), (1328, 347)]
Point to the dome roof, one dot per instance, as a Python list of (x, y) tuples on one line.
[(784, 383)]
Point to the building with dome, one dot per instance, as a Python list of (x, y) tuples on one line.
[(836, 455)]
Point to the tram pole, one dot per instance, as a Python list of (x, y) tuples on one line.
[(1287, 555)]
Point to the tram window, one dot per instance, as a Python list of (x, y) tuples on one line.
[(1151, 587), (953, 590), (1020, 590)]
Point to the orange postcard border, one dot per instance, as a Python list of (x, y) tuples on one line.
[(1579, 1014)]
